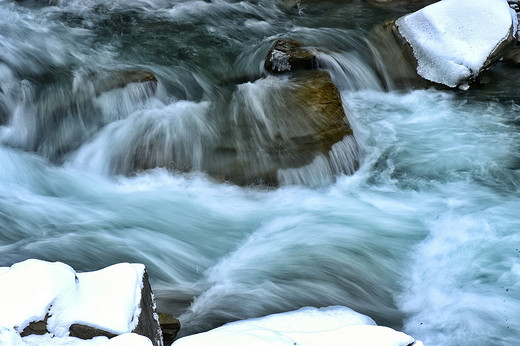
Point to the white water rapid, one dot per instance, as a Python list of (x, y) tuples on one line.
[(422, 237)]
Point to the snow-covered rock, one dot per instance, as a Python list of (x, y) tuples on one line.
[(453, 41), (52, 299), (330, 326)]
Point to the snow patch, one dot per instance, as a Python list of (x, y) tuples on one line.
[(330, 326), (28, 289), (107, 299), (452, 39)]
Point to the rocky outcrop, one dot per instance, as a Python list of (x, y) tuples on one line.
[(289, 55), (110, 302), (443, 47), (170, 326)]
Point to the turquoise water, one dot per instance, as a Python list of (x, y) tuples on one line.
[(423, 237)]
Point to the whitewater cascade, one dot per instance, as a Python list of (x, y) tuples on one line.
[(149, 131)]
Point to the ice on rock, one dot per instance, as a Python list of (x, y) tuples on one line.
[(280, 61), (452, 39)]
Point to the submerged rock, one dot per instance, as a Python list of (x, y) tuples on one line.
[(289, 55), (119, 79)]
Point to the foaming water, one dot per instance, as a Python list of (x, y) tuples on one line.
[(421, 237)]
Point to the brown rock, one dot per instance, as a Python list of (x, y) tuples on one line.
[(170, 326), (512, 57), (36, 328), (303, 120), (84, 332), (324, 108)]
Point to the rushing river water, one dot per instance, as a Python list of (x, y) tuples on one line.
[(424, 237)]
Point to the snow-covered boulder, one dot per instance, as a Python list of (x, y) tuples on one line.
[(330, 326), (51, 299), (453, 41)]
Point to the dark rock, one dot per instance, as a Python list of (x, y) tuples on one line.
[(289, 55), (393, 58), (501, 50), (87, 332), (170, 326), (148, 324), (36, 328), (512, 57)]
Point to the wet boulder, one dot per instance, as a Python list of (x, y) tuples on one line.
[(301, 121), (322, 101), (393, 58), (289, 55)]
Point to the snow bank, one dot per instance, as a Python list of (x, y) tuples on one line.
[(330, 326), (452, 39), (9, 337), (107, 299), (28, 289)]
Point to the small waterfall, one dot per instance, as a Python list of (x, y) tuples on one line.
[(56, 119), (172, 136)]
